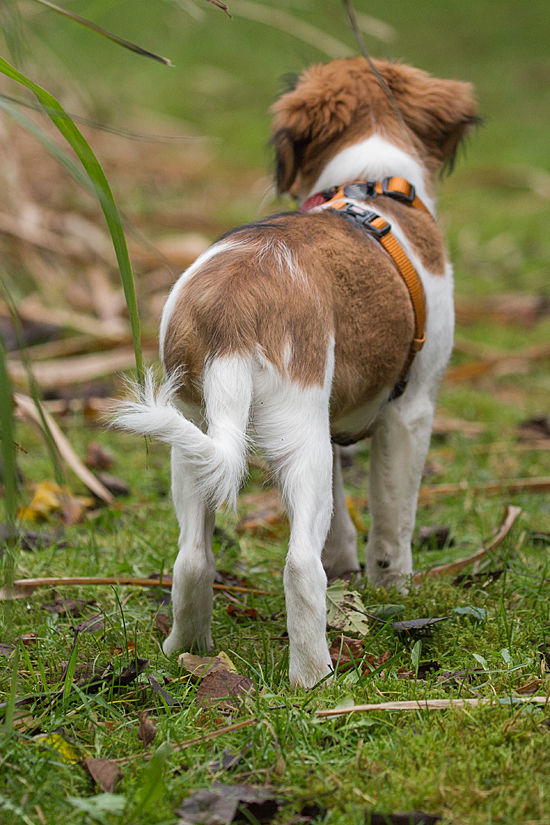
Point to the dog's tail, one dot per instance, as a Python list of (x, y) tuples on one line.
[(217, 458)]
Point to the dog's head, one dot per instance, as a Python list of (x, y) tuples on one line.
[(336, 105)]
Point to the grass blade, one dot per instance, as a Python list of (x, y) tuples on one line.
[(102, 189), (104, 33)]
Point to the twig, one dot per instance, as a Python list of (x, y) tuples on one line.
[(428, 704), (512, 513), (350, 11), (116, 580), (197, 740), (221, 6), (488, 488)]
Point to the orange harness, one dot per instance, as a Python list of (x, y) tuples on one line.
[(342, 199)]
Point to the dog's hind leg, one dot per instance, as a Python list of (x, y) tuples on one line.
[(195, 568), (399, 445), (340, 550), (292, 427)]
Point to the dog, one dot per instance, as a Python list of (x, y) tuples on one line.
[(305, 331)]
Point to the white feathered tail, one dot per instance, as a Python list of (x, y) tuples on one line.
[(217, 458)]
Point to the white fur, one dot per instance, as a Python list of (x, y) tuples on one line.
[(374, 158), (291, 425)]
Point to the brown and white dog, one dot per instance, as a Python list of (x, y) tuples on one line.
[(290, 334)]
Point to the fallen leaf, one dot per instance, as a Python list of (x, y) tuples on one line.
[(424, 668), (93, 624), (346, 654), (222, 688), (163, 623), (529, 688), (28, 639), (50, 498), (345, 610), (218, 805), (147, 729), (65, 749), (244, 613), (416, 626), (6, 650), (268, 513), (31, 540), (116, 486), (105, 772), (223, 577), (434, 538), (97, 458), (534, 429), (170, 701), (478, 614), (71, 606), (203, 665)]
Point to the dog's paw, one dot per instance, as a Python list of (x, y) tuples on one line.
[(308, 674), (176, 642)]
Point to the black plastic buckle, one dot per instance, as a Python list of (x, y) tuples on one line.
[(398, 196), (360, 191), (399, 389), (364, 218)]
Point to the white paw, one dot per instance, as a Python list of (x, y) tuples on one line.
[(307, 673)]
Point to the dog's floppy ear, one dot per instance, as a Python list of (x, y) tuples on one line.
[(439, 112), (289, 154), (317, 110)]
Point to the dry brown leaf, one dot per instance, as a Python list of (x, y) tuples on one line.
[(266, 511), (529, 688), (93, 624), (347, 654), (163, 623), (218, 805), (98, 458), (222, 688), (105, 772), (73, 607), (201, 666), (147, 729)]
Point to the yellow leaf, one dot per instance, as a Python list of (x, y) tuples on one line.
[(67, 752)]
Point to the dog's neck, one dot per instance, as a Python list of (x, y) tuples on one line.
[(374, 158)]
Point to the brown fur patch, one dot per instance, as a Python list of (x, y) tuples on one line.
[(346, 287), (342, 102)]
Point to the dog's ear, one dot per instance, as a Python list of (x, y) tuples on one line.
[(289, 154), (439, 112), (317, 110)]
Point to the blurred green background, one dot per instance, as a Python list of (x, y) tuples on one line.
[(227, 72)]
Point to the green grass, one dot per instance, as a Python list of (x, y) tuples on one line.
[(480, 765)]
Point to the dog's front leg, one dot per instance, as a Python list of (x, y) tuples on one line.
[(340, 551), (194, 569), (400, 441)]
